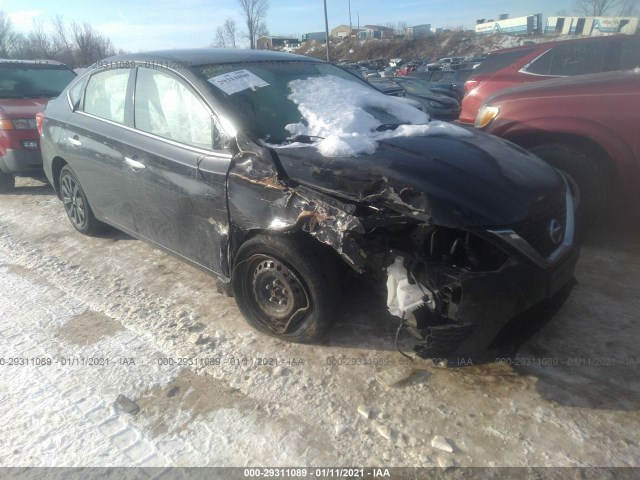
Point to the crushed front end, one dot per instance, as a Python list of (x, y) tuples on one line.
[(474, 241), (478, 293)]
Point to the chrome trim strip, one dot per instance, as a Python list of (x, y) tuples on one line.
[(520, 244)]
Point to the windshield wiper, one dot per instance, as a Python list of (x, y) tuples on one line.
[(302, 139), (387, 126)]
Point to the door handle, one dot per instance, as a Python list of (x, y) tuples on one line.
[(134, 163), (75, 141)]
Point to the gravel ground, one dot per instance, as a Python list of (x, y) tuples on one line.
[(150, 366)]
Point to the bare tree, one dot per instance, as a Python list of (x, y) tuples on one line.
[(8, 35), (254, 12), (399, 28), (226, 36), (89, 45), (37, 44), (629, 7), (61, 42), (261, 30), (594, 8)]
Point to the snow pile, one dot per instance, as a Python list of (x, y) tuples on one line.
[(346, 115)]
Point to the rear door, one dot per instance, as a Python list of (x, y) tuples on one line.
[(92, 140)]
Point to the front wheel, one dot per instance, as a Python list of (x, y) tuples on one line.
[(284, 288), (585, 180), (76, 204), (7, 182)]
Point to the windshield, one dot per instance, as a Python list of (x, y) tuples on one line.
[(292, 104), (277, 101), (25, 80), (415, 86)]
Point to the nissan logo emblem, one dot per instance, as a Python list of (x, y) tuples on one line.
[(555, 231)]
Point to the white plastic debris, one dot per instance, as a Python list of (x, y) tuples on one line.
[(364, 411), (394, 375), (441, 443), (401, 295)]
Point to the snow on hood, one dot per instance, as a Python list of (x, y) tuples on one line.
[(340, 112)]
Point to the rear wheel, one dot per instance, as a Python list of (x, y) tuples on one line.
[(284, 288), (585, 180), (7, 182), (76, 204)]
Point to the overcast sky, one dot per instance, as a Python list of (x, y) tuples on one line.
[(136, 25)]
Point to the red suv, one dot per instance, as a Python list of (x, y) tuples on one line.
[(514, 66), (588, 127), (25, 88)]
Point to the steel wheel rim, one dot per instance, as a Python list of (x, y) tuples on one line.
[(73, 200), (278, 293)]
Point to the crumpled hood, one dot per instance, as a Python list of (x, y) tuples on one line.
[(476, 181)]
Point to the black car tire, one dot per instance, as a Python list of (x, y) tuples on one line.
[(76, 204), (585, 180), (7, 182), (285, 287)]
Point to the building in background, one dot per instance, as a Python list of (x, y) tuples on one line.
[(418, 31), (375, 31), (314, 36), (588, 26), (529, 25), (344, 31), (276, 43)]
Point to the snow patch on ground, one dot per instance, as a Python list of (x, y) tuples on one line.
[(346, 116)]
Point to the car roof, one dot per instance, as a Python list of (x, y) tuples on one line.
[(559, 42), (568, 86), (206, 56), (9, 61)]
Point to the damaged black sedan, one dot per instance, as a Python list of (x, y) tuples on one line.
[(277, 172)]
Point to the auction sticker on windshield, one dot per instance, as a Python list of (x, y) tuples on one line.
[(234, 82)]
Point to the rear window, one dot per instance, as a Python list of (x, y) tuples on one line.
[(33, 80), (498, 61), (630, 54), (442, 75), (463, 75), (571, 59)]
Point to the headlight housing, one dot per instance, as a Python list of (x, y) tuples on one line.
[(485, 116)]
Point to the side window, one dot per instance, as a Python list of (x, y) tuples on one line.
[(105, 94), (630, 54), (578, 59), (542, 64), (447, 75), (75, 93), (166, 107)]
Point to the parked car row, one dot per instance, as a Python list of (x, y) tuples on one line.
[(437, 105), (236, 162), (447, 82), (585, 124)]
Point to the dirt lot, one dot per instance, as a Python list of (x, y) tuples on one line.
[(116, 318)]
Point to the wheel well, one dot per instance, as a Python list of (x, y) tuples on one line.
[(56, 166), (602, 160), (328, 253)]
